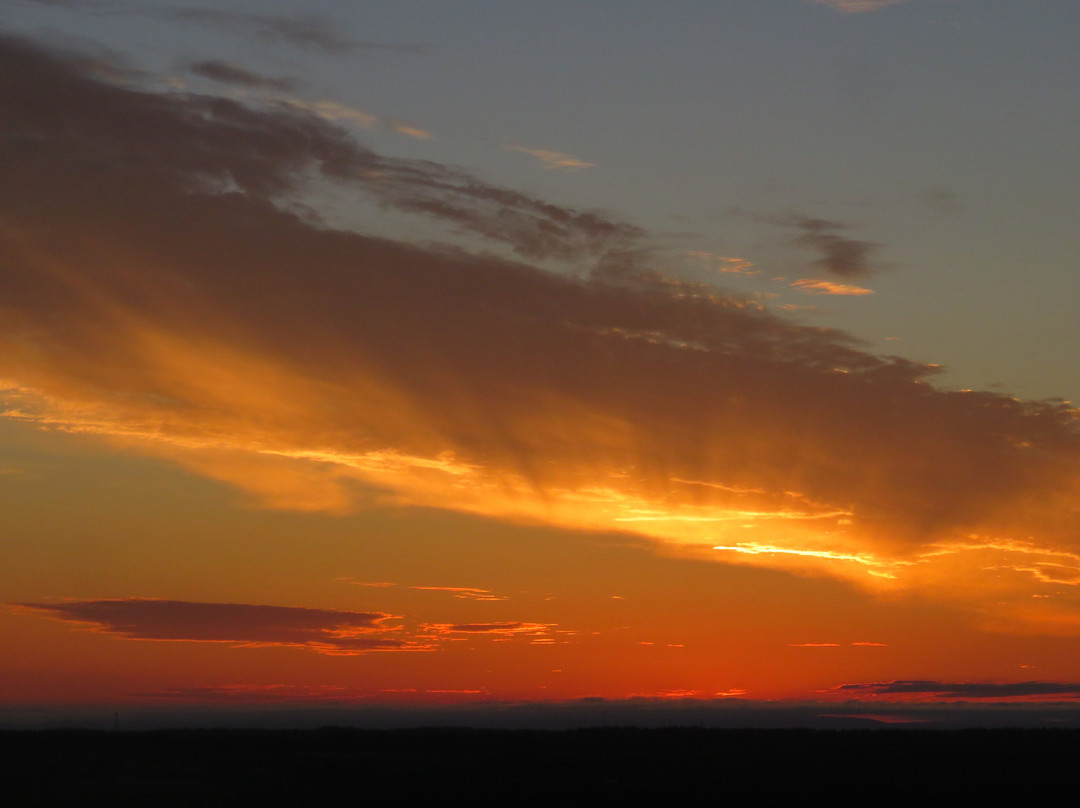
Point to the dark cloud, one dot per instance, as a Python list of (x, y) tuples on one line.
[(532, 227), (210, 144), (162, 284), (228, 73), (842, 256), (323, 630), (966, 690)]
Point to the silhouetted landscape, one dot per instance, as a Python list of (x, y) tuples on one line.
[(586, 766)]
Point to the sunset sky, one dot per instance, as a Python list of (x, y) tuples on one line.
[(435, 354)]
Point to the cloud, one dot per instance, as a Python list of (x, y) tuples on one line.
[(311, 31), (409, 129), (228, 73), (551, 159), (829, 287), (966, 690), (463, 592), (842, 256), (326, 631), (333, 111), (219, 143), (377, 584), (504, 628), (858, 6), (169, 285), (835, 644), (942, 200), (722, 264)]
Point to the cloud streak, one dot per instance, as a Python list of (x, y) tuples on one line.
[(463, 592), (326, 631), (229, 73), (311, 31), (966, 690), (552, 159), (501, 628), (858, 6), (818, 287)]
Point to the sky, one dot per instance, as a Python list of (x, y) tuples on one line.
[(429, 356)]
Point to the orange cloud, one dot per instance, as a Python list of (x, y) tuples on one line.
[(830, 288), (551, 159), (464, 592), (376, 584), (503, 628), (724, 264), (160, 294), (333, 111), (409, 129)]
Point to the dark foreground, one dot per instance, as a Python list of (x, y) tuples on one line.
[(503, 767)]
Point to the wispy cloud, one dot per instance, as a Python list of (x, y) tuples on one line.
[(858, 6), (463, 592), (551, 159), (333, 111), (727, 265), (336, 111), (229, 73), (376, 584), (840, 255), (942, 200), (409, 129), (459, 592), (311, 31), (820, 287), (836, 644), (501, 628)]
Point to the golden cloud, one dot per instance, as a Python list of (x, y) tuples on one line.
[(160, 292), (819, 287)]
